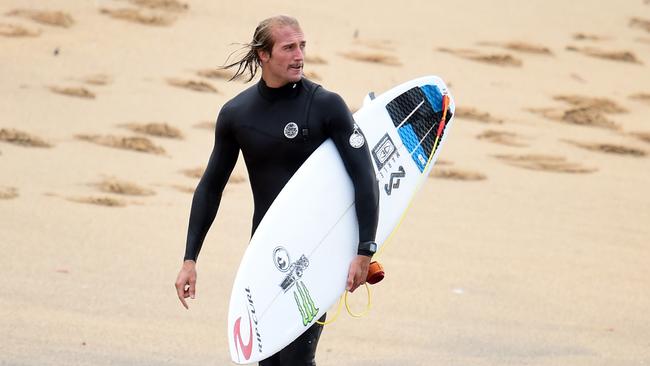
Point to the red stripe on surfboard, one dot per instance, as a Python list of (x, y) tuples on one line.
[(443, 120)]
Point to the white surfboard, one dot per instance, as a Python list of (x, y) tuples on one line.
[(295, 267)]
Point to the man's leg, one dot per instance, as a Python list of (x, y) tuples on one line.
[(301, 352)]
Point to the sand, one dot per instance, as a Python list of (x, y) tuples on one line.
[(529, 246)]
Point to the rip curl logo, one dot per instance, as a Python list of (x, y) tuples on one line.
[(291, 130), (247, 349), (394, 180), (306, 306)]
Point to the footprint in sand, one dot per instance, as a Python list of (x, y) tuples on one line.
[(547, 163), (373, 58), (476, 115), (8, 193), (640, 23), (502, 138), (164, 5), (622, 56), (577, 116), (520, 47), (598, 104), (155, 129), (198, 173), (456, 174), (215, 74), (588, 37), (489, 58), (22, 138), (73, 92), (315, 60), (138, 16), (97, 79), (99, 201), (641, 97), (113, 185), (199, 86), (140, 144), (12, 30), (608, 148), (53, 18)]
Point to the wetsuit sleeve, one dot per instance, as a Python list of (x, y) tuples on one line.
[(207, 195), (358, 164)]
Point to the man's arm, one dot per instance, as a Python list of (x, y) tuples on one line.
[(205, 203), (357, 161)]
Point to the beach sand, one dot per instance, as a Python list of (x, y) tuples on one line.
[(526, 247)]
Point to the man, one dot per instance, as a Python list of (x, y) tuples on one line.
[(277, 124)]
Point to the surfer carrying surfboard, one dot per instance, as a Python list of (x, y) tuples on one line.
[(276, 124)]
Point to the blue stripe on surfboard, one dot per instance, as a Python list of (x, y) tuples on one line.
[(412, 144), (433, 94)]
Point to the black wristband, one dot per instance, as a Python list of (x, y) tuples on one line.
[(367, 248)]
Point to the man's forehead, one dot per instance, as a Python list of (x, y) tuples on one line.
[(287, 34)]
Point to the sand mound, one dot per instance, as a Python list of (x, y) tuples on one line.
[(622, 56), (140, 144), (578, 116), (166, 5), (136, 16), (598, 104), (641, 97), (11, 30), (97, 79), (501, 138), (113, 185), (215, 74), (73, 92), (476, 115), (588, 37), (199, 86), (456, 174), (315, 60), (54, 18), (8, 193), (99, 201), (643, 136), (520, 47), (493, 59), (640, 23), (22, 138), (374, 58), (547, 163), (155, 129), (608, 148)]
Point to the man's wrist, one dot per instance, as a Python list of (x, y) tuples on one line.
[(367, 248)]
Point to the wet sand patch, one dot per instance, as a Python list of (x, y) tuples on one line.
[(315, 60), (374, 58), (640, 23), (8, 193), (113, 185), (140, 144), (607, 148), (621, 56), (16, 31), (52, 18), (99, 201), (598, 104), (476, 115), (502, 138), (456, 174), (489, 58), (136, 16), (577, 116), (22, 138), (520, 47), (165, 5), (549, 163), (73, 92), (199, 86), (155, 129)]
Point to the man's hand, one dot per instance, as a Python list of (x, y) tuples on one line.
[(358, 272), (186, 282)]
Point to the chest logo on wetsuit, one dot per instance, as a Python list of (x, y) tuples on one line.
[(356, 139), (291, 130)]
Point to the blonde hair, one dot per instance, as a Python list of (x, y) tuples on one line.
[(262, 41)]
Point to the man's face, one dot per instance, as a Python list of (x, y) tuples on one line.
[(284, 64)]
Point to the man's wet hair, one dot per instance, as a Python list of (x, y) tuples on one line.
[(263, 40)]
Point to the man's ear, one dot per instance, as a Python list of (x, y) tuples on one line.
[(263, 55)]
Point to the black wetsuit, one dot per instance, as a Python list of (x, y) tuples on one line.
[(268, 126)]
